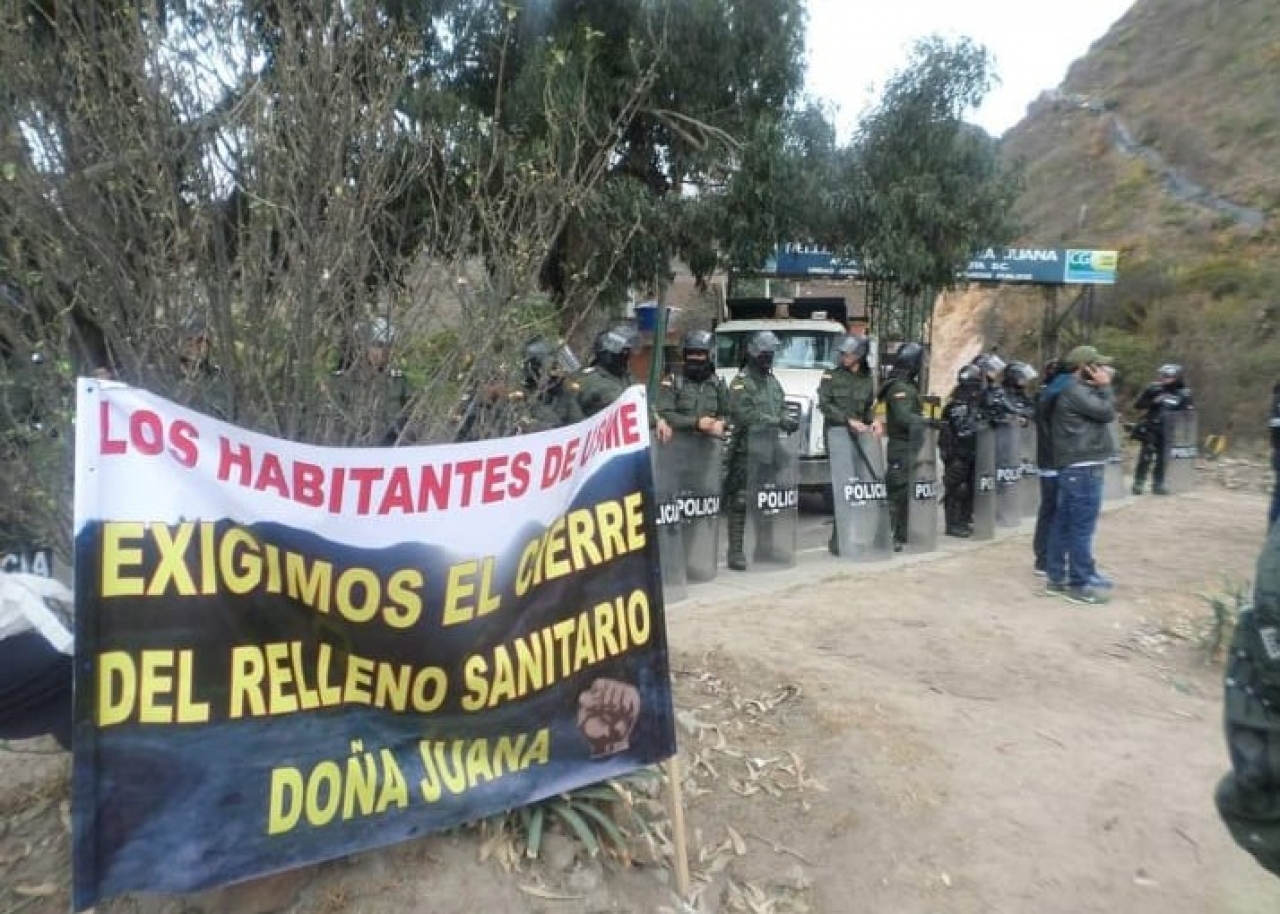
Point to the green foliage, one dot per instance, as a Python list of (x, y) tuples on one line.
[(925, 188), (606, 818), (1215, 631)]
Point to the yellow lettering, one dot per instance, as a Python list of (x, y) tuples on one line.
[(172, 549), (117, 687), (116, 557), (247, 670)]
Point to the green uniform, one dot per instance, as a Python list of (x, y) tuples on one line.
[(756, 401), (594, 388), (682, 402), (902, 416), (1248, 798), (845, 396), (554, 406), (372, 405)]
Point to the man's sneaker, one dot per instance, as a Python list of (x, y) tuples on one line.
[(1040, 572), (1086, 594), (1159, 490), (1101, 582), (1054, 589)]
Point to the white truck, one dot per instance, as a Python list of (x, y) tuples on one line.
[(808, 349)]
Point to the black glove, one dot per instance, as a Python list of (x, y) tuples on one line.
[(788, 425)]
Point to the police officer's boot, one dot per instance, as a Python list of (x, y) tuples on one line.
[(737, 532)]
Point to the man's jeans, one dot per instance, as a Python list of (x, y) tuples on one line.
[(1070, 558), (1044, 519)]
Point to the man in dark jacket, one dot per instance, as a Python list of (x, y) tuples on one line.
[(1081, 440)]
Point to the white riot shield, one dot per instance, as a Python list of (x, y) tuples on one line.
[(1181, 431), (1113, 487), (984, 485), (924, 490), (1008, 472), (773, 498), (666, 486), (698, 469), (1028, 473), (860, 496)]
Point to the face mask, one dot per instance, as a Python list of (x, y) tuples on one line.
[(765, 361), (697, 370)]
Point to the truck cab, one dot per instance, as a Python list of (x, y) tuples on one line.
[(809, 335)]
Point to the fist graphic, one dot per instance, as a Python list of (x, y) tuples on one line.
[(607, 713)]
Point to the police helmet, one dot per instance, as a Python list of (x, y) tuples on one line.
[(908, 358), (762, 342), (379, 332), (538, 350), (697, 341), (1020, 373), (989, 363), (616, 340), (1171, 373), (969, 376), (856, 346)]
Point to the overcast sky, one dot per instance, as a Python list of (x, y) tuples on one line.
[(855, 45)]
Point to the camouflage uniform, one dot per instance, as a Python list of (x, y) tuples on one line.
[(1248, 798)]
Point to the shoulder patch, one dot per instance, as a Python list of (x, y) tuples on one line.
[(826, 376), (737, 385), (900, 395), (574, 385)]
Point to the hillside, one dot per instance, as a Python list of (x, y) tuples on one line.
[(1162, 142)]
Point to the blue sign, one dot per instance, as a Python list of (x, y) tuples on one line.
[(1044, 266)]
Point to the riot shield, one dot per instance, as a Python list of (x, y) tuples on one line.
[(1008, 470), (1113, 487), (773, 498), (698, 461), (1181, 429), (984, 485), (1028, 473), (924, 489), (666, 488), (860, 496)]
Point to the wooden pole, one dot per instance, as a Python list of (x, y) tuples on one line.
[(675, 799)]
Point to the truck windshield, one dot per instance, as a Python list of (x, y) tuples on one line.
[(799, 349)]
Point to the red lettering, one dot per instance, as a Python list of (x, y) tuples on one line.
[(630, 422), (271, 476), (234, 457), (399, 494), (146, 432), (364, 478), (433, 487), (335, 493), (182, 443), (552, 459), (495, 474), (520, 475), (468, 469), (107, 444), (308, 484)]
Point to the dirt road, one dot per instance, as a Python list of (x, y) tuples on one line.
[(918, 736)]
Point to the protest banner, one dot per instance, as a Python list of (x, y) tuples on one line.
[(287, 653)]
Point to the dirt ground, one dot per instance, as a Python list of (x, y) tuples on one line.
[(917, 736)]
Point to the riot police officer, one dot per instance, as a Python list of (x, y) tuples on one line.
[(371, 394), (696, 400), (545, 400), (756, 403), (958, 443), (903, 414), (1168, 393), (609, 373), (847, 400), (1016, 386)]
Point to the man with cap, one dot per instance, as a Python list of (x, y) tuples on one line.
[(1082, 413)]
